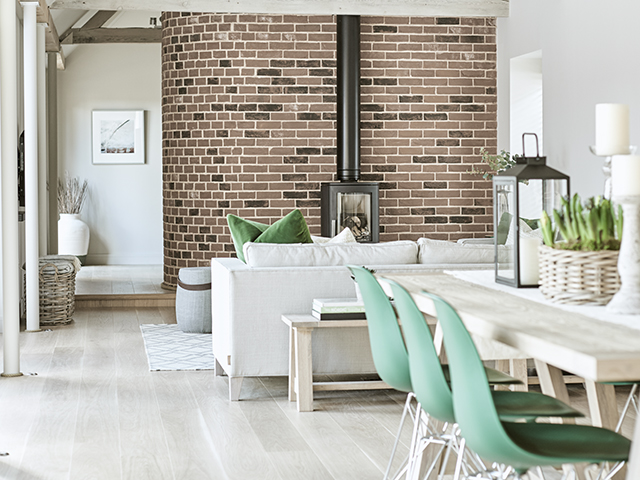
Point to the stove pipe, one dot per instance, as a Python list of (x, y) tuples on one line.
[(348, 89)]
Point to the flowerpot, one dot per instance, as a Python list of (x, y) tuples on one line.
[(577, 277), (73, 236)]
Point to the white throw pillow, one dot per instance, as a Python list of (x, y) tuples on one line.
[(310, 254), (441, 251), (345, 236)]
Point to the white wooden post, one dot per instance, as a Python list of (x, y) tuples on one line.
[(43, 208), (9, 169), (30, 59)]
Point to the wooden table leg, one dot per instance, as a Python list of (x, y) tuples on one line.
[(603, 407), (552, 384), (292, 365), (304, 377), (518, 370)]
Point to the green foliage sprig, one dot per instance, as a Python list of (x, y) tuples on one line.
[(596, 225), (496, 163)]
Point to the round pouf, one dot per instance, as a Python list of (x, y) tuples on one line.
[(193, 300)]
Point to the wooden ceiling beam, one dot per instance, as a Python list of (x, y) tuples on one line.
[(51, 42), (447, 8), (112, 35), (99, 19)]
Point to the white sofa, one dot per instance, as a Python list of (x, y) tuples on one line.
[(249, 338)]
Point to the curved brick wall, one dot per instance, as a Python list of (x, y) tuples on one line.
[(249, 124)]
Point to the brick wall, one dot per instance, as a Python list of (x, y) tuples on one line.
[(249, 124)]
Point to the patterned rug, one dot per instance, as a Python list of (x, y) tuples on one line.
[(169, 348)]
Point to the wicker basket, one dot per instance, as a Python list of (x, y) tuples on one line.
[(57, 289), (577, 278)]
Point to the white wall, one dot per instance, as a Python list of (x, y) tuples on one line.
[(124, 208), (589, 55)]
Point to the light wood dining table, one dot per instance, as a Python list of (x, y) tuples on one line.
[(556, 337)]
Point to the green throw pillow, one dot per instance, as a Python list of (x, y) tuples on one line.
[(243, 231), (292, 228)]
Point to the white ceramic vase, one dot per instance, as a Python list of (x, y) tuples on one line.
[(73, 235)]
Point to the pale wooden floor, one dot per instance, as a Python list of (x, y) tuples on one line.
[(94, 411)]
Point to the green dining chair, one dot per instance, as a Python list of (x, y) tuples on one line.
[(519, 446), (432, 388), (390, 355), (391, 361)]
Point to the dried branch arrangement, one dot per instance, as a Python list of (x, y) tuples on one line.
[(71, 194)]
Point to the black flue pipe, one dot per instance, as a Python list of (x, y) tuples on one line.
[(348, 89)]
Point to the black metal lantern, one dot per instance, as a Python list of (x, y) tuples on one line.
[(520, 195)]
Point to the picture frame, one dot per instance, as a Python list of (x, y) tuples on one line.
[(118, 137)]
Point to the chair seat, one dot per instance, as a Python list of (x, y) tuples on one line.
[(529, 405), (569, 443), (495, 377)]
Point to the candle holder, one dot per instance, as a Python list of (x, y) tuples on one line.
[(606, 168), (627, 300)]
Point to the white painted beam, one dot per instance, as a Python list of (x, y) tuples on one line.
[(428, 8), (30, 61), (9, 195)]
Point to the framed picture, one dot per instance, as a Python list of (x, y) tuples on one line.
[(118, 137)]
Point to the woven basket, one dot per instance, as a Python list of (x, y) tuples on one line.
[(57, 290), (577, 278)]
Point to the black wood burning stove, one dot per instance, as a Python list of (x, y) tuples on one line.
[(349, 203)]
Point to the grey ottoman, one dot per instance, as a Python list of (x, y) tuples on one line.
[(193, 300)]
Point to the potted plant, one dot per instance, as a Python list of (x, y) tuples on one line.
[(73, 233), (582, 267)]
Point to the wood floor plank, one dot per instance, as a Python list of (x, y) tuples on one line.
[(51, 440), (341, 456), (286, 447), (189, 440), (241, 453), (143, 447), (96, 451), (17, 418)]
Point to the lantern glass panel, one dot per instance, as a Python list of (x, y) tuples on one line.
[(536, 196), (505, 215)]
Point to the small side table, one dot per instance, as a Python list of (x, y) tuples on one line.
[(301, 384)]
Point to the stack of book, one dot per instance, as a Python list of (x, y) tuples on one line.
[(338, 309)]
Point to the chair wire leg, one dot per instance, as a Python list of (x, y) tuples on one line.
[(630, 399), (405, 411), (616, 468), (456, 474), (414, 470)]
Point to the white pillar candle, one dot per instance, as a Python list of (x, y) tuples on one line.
[(612, 129), (625, 175), (529, 263)]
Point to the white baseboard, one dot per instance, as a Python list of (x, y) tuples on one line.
[(114, 259)]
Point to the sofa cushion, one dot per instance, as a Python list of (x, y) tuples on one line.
[(307, 255), (243, 231), (291, 228), (444, 252), (345, 236)]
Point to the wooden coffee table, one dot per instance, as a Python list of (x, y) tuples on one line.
[(301, 384)]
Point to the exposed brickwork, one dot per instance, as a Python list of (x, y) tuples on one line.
[(249, 124)]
